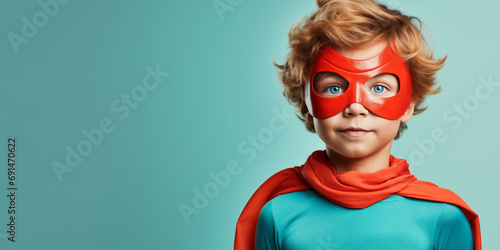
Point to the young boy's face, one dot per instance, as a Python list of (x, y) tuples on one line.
[(355, 132)]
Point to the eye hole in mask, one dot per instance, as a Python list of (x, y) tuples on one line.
[(329, 84)]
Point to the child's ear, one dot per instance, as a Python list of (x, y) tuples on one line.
[(409, 112)]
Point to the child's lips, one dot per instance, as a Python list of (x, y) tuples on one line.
[(355, 132)]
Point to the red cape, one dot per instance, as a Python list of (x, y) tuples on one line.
[(352, 189)]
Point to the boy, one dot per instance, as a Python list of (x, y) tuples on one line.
[(358, 72)]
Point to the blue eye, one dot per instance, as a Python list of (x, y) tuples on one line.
[(333, 89), (379, 89)]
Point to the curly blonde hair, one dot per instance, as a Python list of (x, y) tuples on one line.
[(351, 24)]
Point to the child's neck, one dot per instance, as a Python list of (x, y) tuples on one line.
[(369, 164)]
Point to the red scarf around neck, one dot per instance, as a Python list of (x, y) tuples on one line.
[(352, 189)]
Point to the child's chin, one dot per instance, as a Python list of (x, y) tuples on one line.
[(356, 155), (353, 153)]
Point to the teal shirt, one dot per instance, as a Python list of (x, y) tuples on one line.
[(306, 220)]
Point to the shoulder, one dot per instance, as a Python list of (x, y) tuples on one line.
[(452, 229), (266, 215), (452, 217), (298, 200), (447, 223), (290, 201), (285, 207), (277, 215), (281, 211), (451, 214)]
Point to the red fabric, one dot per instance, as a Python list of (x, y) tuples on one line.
[(357, 73), (352, 189)]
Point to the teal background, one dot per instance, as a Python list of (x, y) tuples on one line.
[(221, 91)]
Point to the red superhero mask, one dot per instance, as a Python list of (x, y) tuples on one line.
[(357, 72)]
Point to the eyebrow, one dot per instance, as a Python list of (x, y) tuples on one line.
[(384, 75), (322, 75)]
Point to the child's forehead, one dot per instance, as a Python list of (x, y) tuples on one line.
[(364, 51)]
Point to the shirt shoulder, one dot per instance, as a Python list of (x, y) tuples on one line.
[(266, 234), (453, 230), (278, 214)]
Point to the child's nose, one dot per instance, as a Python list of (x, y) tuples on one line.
[(355, 109)]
